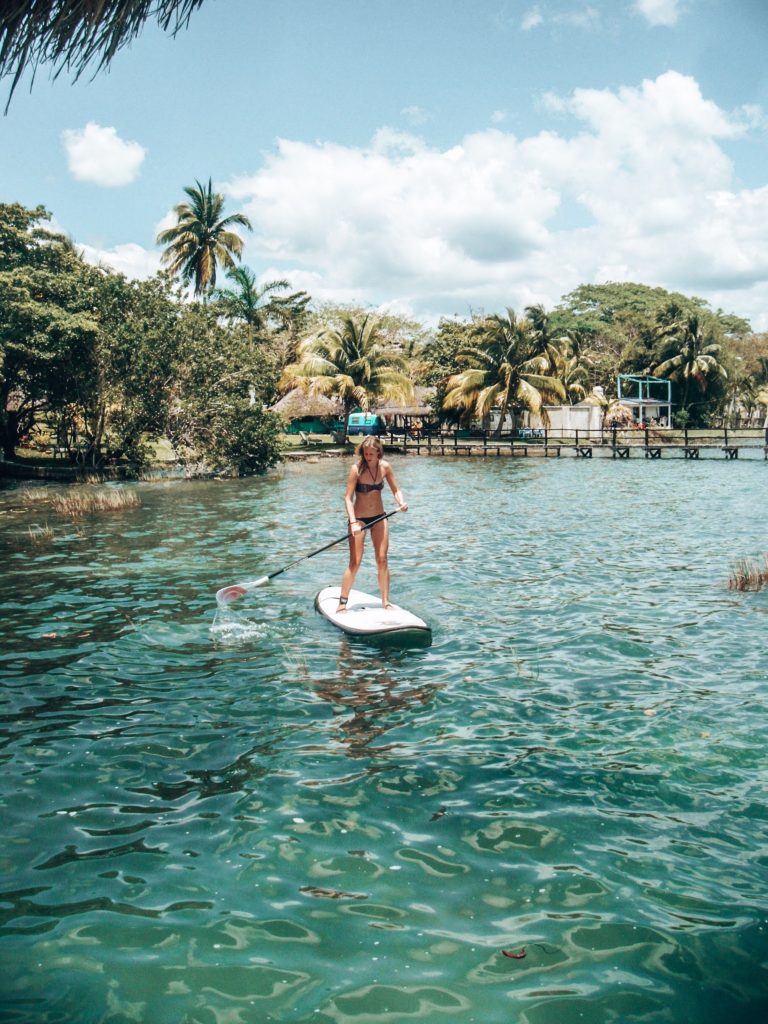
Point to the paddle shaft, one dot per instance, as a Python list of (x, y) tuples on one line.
[(333, 543), (238, 589)]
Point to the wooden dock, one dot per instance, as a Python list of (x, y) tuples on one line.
[(650, 443)]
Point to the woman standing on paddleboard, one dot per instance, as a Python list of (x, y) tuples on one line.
[(362, 499)]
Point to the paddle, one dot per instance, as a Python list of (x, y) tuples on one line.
[(227, 594)]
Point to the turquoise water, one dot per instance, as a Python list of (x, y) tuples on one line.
[(253, 819)]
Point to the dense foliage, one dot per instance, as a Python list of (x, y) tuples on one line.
[(110, 365)]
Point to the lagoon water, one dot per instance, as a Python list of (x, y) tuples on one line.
[(248, 818)]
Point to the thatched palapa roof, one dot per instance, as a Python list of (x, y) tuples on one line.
[(298, 403), (618, 415), (419, 407)]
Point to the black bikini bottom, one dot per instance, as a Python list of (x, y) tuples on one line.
[(369, 519)]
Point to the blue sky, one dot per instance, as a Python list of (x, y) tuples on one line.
[(432, 157)]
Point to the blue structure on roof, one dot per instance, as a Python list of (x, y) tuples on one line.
[(649, 398)]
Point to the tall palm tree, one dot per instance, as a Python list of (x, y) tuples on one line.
[(563, 352), (257, 305), (202, 238), (695, 359), (506, 368), (351, 363), (547, 342), (572, 374)]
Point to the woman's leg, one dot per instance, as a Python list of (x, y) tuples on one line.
[(380, 537), (356, 543)]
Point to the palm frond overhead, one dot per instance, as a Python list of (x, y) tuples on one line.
[(73, 34)]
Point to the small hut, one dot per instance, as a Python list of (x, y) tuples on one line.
[(307, 411), (413, 418), (618, 415)]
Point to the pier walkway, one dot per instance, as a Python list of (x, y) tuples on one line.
[(648, 443)]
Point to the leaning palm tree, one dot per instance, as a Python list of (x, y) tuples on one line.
[(505, 368), (352, 364), (201, 238), (696, 358)]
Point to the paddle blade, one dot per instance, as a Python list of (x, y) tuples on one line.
[(229, 594)]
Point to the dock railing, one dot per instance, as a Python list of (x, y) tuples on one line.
[(619, 440)]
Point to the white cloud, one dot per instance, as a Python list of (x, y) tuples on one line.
[(415, 115), (586, 17), (98, 155), (659, 12), (136, 262), (532, 19), (641, 188)]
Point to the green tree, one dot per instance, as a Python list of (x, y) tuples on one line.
[(616, 325), (218, 417), (259, 306), (47, 320), (350, 362), (506, 369), (124, 384), (692, 354), (562, 350), (202, 238)]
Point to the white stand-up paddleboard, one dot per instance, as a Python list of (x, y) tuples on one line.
[(365, 616)]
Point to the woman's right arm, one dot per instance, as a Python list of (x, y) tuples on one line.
[(349, 501)]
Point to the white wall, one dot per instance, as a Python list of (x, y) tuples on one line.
[(566, 419)]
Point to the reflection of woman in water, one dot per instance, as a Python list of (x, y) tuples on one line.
[(362, 498), (377, 699)]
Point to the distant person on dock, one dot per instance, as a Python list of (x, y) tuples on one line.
[(362, 499)]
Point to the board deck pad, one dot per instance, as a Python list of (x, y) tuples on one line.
[(365, 616)]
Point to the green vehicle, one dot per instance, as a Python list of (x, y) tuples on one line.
[(366, 423)]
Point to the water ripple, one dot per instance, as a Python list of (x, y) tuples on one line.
[(247, 817)]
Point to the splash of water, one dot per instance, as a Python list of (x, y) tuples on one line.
[(231, 628)]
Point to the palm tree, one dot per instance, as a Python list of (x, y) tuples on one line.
[(201, 238), (572, 374), (563, 352), (547, 343), (259, 306), (350, 363), (695, 359), (506, 368)]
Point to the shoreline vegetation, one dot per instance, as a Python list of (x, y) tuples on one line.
[(101, 371)]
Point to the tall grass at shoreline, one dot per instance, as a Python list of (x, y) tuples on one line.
[(749, 575), (79, 501)]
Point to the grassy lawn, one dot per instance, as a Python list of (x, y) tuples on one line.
[(317, 441), (38, 457)]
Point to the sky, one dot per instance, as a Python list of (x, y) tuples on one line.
[(426, 157)]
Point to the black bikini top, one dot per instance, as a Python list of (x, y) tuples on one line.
[(367, 488)]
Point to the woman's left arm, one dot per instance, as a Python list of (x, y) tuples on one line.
[(390, 478)]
